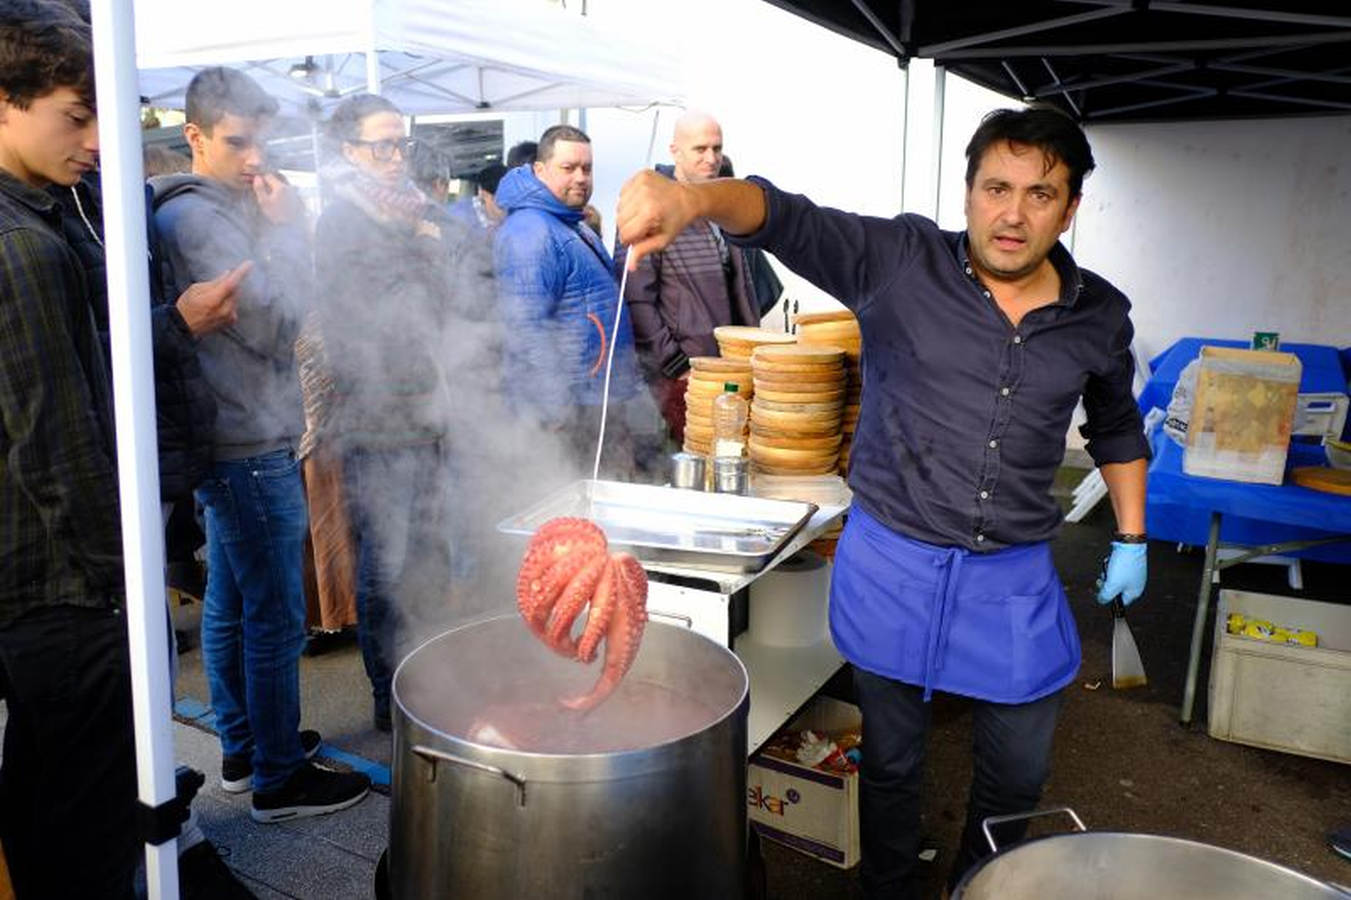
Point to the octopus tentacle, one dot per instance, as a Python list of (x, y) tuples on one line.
[(593, 580)]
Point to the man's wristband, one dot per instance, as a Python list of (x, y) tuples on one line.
[(1121, 538)]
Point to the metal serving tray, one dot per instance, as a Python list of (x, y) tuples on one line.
[(718, 532)]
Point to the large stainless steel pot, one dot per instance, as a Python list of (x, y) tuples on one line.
[(1099, 865), (644, 796)]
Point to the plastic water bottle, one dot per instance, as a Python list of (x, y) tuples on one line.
[(730, 413)]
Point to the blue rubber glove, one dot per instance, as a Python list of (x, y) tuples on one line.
[(1124, 573)]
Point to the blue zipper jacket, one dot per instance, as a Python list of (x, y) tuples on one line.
[(558, 299)]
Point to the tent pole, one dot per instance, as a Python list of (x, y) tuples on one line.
[(373, 57), (134, 393), (940, 99), (905, 134)]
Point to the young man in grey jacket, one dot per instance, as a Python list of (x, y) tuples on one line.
[(231, 209)]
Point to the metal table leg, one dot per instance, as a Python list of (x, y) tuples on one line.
[(1199, 625)]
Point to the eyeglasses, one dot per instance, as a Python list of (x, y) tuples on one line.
[(383, 151)]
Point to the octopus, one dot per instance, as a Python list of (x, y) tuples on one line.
[(568, 570)]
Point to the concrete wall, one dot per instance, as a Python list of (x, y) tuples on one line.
[(1221, 229)]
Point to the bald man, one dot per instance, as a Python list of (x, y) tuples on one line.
[(678, 296)]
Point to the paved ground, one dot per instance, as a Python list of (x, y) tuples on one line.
[(1121, 759)]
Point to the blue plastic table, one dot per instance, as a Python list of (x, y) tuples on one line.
[(1268, 519)]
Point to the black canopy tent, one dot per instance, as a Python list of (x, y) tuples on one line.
[(1121, 60)]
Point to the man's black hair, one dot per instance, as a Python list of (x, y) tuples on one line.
[(523, 154), (345, 122), (1049, 130), (217, 92), (44, 46), (553, 135), (490, 176)]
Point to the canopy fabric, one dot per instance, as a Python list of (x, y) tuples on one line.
[(1121, 60), (436, 56)]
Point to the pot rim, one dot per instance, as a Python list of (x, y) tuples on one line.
[(610, 758), (959, 892)]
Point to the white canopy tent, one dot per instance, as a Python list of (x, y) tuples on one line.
[(434, 56), (429, 56)]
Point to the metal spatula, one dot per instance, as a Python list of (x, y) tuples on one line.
[(1127, 670)]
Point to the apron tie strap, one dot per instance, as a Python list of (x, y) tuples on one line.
[(949, 564)]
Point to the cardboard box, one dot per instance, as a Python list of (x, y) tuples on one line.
[(1278, 696), (1242, 415), (808, 809)]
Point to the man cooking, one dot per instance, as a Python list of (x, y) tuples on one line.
[(977, 345)]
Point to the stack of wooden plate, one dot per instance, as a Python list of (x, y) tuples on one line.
[(738, 341), (839, 329), (708, 375), (797, 409)]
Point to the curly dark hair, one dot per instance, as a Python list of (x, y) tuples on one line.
[(44, 46), (1054, 133)]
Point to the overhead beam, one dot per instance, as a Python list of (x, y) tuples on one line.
[(1064, 93), (876, 23), (1233, 12), (1281, 98), (1187, 46), (1197, 94), (1013, 76), (1107, 81), (946, 48), (1289, 74)]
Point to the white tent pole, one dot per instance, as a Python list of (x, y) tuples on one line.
[(134, 393), (905, 137), (940, 102)]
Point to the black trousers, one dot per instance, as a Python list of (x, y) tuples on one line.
[(68, 780), (1012, 754)]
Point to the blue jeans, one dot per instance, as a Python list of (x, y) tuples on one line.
[(1012, 749), (396, 504), (253, 617)]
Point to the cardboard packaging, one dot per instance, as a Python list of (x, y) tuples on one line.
[(810, 810), (1242, 415)]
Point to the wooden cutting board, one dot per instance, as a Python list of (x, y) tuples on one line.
[(1323, 478)]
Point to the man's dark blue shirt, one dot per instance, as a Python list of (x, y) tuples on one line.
[(964, 415)]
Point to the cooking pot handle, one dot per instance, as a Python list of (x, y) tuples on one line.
[(432, 755), (686, 620), (1019, 817)]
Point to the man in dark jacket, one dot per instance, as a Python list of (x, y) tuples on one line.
[(65, 814), (678, 296)]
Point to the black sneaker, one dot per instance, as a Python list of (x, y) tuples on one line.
[(310, 791), (236, 772), (1340, 840), (203, 875)]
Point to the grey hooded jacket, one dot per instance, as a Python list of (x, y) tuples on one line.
[(206, 230)]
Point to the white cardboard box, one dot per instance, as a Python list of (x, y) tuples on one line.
[(1295, 699), (808, 809)]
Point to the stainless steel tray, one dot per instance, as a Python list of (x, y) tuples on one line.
[(718, 532)]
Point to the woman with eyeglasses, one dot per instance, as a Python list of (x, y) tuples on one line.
[(382, 258)]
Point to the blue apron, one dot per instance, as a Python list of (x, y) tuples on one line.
[(995, 626)]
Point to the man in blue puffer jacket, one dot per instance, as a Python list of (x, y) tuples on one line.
[(559, 301)]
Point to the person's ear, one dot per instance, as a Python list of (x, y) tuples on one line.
[(349, 153), (192, 133), (1069, 213), (537, 167)]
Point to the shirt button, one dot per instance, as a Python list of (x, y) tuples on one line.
[(980, 539), (968, 270), (1017, 338), (994, 444), (987, 295), (985, 495), (1003, 392)]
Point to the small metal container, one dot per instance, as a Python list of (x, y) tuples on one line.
[(688, 471), (731, 475)]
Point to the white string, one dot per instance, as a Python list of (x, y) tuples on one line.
[(609, 366)]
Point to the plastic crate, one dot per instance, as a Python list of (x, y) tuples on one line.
[(1278, 696)]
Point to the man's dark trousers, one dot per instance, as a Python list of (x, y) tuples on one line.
[(1012, 750), (68, 824)]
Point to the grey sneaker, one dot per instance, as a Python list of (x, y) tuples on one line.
[(310, 791), (236, 772)]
